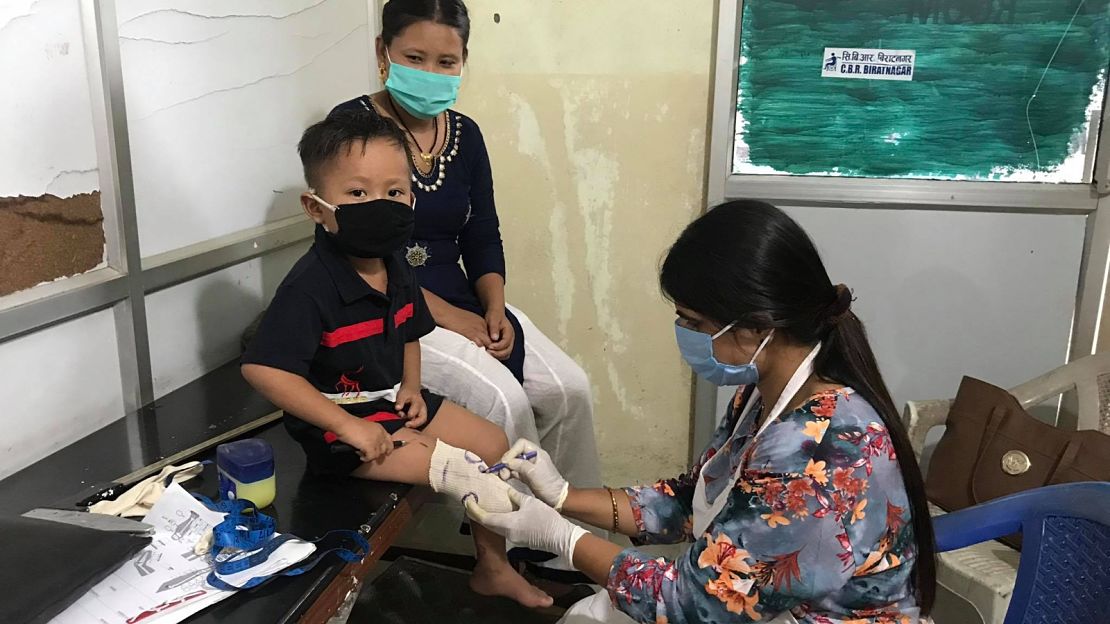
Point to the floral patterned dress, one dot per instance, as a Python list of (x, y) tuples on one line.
[(818, 524)]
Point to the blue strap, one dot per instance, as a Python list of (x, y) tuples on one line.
[(361, 549), (246, 529)]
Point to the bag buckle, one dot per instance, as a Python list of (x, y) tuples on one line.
[(1015, 463)]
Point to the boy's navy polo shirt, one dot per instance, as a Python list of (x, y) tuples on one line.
[(329, 326)]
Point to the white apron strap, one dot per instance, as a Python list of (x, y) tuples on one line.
[(705, 510)]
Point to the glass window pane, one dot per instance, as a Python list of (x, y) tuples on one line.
[(1000, 89)]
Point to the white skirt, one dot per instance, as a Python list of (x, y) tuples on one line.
[(553, 408)]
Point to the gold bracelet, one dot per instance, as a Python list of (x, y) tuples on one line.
[(616, 517)]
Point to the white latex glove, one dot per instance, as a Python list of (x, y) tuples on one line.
[(461, 474), (533, 524), (538, 473)]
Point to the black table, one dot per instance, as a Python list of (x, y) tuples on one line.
[(187, 424)]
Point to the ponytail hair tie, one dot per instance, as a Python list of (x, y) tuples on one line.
[(840, 306)]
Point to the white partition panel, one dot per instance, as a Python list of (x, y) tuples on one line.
[(48, 144), (947, 294), (196, 326), (218, 94), (59, 385)]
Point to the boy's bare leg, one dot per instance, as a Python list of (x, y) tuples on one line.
[(493, 575)]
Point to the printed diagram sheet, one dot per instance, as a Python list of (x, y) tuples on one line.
[(166, 581)]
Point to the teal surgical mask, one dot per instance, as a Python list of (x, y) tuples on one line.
[(423, 94)]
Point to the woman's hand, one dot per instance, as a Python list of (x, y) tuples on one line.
[(469, 325), (538, 473), (533, 524), (501, 334), (410, 406)]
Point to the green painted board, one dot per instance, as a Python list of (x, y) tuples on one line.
[(1001, 89)]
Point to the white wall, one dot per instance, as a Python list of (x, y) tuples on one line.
[(214, 146), (947, 294), (47, 144), (195, 327), (63, 383), (57, 386), (218, 94)]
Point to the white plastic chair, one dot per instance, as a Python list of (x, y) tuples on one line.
[(984, 574)]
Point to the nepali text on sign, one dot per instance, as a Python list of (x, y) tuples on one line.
[(868, 64)]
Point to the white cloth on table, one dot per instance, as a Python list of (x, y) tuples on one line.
[(138, 500)]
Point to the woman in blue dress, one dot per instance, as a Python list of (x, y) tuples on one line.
[(484, 355), (808, 505)]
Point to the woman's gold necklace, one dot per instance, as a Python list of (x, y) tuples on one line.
[(428, 156)]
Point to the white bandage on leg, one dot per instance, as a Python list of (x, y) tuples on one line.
[(458, 473)]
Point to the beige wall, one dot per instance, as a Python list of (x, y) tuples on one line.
[(595, 115)]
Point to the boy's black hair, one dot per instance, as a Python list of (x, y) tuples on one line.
[(324, 140)]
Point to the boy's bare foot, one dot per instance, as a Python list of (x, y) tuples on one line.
[(500, 579)]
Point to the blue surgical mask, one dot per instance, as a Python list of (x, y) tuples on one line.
[(423, 94), (697, 349)]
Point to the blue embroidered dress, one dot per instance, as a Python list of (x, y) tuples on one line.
[(818, 524)]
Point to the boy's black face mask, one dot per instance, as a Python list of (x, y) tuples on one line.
[(373, 229)]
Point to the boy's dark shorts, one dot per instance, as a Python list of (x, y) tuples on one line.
[(327, 456)]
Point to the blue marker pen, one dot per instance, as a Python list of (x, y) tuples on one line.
[(499, 466)]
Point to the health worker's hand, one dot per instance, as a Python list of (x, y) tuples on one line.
[(533, 524), (538, 473)]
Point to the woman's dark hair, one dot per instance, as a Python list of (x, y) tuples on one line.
[(397, 15), (323, 140), (747, 261)]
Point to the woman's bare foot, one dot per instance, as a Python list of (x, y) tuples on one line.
[(498, 578)]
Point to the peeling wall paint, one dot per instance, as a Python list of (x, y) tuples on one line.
[(47, 237), (50, 227), (48, 145), (597, 137), (217, 97)]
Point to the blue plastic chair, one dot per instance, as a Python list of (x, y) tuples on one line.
[(1064, 573)]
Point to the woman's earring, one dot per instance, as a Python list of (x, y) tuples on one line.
[(381, 72)]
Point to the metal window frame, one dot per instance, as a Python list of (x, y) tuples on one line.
[(1009, 197), (128, 278)]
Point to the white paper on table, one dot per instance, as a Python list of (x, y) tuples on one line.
[(167, 578)]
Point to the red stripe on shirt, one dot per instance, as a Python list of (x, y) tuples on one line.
[(330, 437), (351, 333), (402, 315)]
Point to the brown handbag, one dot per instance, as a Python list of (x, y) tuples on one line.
[(993, 447)]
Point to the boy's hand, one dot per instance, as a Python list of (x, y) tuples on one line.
[(411, 406), (501, 333), (369, 439)]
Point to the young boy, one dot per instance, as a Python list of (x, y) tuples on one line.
[(338, 349)]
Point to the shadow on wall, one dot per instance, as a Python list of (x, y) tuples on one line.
[(224, 307), (273, 267)]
